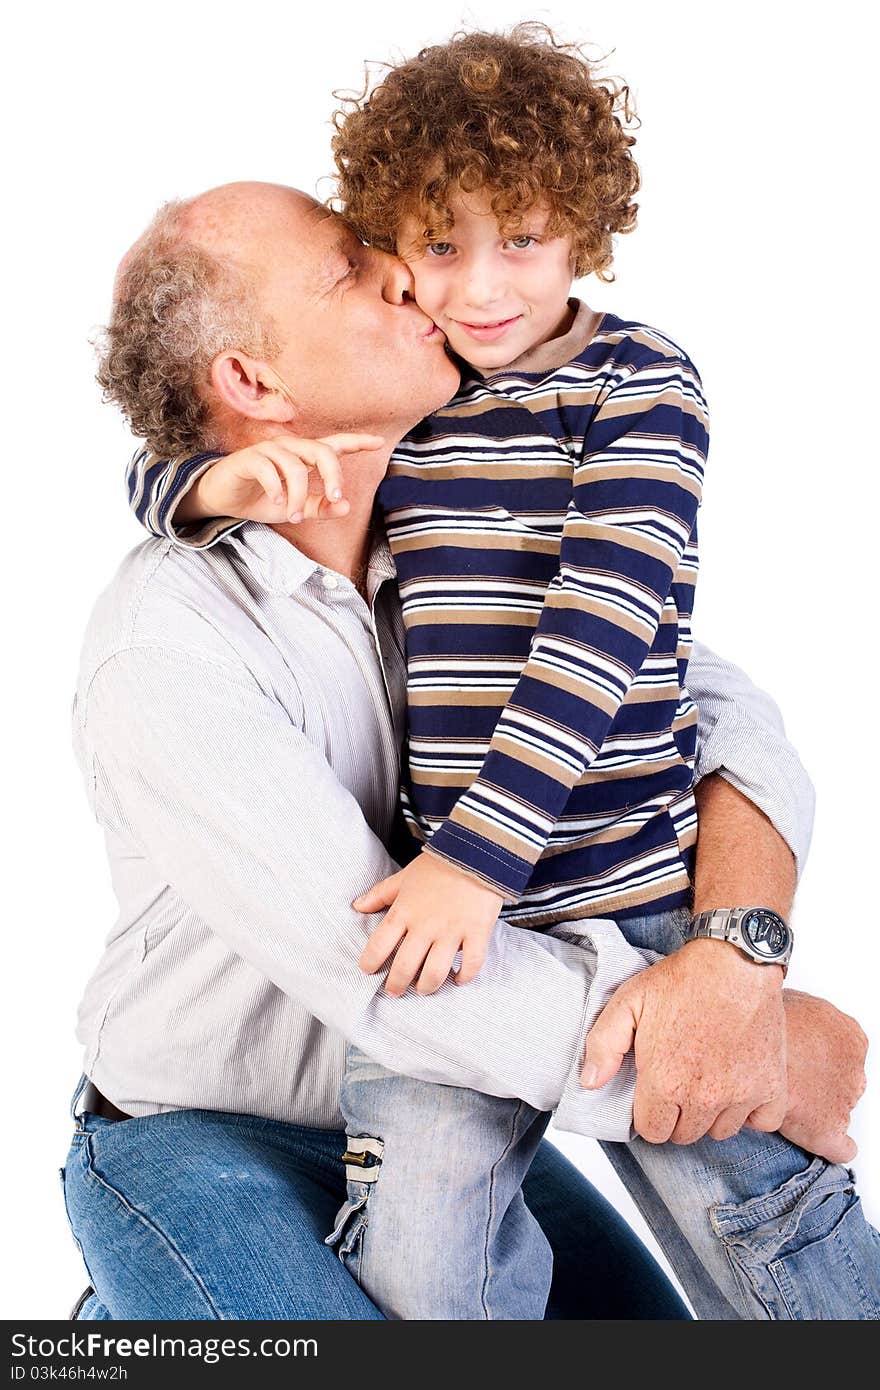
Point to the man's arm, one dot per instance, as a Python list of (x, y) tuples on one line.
[(693, 1079), (741, 736), (246, 821)]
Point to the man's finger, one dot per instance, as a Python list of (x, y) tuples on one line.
[(693, 1122), (769, 1116), (653, 1117), (609, 1040), (381, 944), (729, 1122), (836, 1148), (381, 895)]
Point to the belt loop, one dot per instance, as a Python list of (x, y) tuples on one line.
[(80, 1087)]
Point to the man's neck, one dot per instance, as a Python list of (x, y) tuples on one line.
[(344, 545)]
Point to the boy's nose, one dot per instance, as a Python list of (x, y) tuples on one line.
[(482, 289)]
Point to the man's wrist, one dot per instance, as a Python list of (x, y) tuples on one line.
[(723, 956)]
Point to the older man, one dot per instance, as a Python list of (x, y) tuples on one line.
[(238, 721)]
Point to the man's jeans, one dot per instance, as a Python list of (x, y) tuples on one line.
[(753, 1226), (196, 1214)]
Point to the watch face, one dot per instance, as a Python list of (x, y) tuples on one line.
[(766, 933)]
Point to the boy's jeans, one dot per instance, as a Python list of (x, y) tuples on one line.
[(753, 1226)]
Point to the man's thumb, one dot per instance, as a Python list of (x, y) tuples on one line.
[(608, 1041)]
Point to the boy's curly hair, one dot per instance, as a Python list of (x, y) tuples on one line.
[(520, 116)]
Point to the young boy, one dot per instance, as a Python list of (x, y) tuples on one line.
[(543, 526)]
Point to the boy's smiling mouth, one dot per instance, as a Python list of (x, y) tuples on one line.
[(487, 332)]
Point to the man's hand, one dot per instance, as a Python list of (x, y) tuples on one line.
[(710, 1044), (277, 480), (826, 1076), (436, 911)]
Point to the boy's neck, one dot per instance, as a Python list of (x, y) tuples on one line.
[(556, 351)]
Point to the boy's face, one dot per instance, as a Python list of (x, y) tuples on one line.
[(493, 297)]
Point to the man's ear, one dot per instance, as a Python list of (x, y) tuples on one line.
[(252, 388)]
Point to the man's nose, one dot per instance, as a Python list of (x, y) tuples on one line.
[(398, 285)]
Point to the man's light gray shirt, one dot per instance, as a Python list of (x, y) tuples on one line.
[(238, 721)]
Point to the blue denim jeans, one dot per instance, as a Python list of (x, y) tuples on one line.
[(753, 1226), (197, 1214)]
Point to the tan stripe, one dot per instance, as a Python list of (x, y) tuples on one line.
[(492, 616), (608, 836), (656, 472), (503, 838), (639, 627), (620, 535), (530, 757), (497, 698), (607, 906), (432, 778), (640, 769), (478, 540), (639, 695), (581, 687), (615, 405)]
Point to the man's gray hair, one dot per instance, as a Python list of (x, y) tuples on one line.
[(175, 308)]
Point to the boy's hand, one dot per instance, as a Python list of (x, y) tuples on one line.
[(435, 911), (277, 480)]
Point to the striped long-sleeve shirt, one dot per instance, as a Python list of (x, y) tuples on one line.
[(543, 526)]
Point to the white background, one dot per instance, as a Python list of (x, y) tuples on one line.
[(752, 251)]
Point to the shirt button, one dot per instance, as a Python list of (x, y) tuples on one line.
[(329, 581)]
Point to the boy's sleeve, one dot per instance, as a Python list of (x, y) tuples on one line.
[(634, 502), (156, 487)]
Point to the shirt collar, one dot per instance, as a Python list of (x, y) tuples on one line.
[(283, 569)]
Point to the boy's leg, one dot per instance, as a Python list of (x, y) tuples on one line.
[(601, 1269), (435, 1226), (753, 1226)]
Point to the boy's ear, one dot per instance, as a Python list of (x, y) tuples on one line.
[(251, 388)]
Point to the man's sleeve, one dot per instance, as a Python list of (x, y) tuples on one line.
[(634, 504), (156, 487), (741, 736), (245, 820)]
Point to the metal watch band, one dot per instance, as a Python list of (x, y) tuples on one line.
[(725, 924)]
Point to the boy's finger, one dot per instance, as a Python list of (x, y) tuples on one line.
[(472, 957), (407, 963), (436, 969), (353, 443), (267, 475), (384, 940), (317, 507), (381, 895)]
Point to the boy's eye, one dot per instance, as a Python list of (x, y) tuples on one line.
[(521, 243), (440, 248)]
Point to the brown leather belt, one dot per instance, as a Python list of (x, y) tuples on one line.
[(96, 1104)]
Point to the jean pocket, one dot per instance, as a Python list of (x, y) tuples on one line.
[(349, 1228), (805, 1249)]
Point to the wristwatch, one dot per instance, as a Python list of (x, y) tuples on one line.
[(758, 932)]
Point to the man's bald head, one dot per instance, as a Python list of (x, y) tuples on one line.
[(188, 289)]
